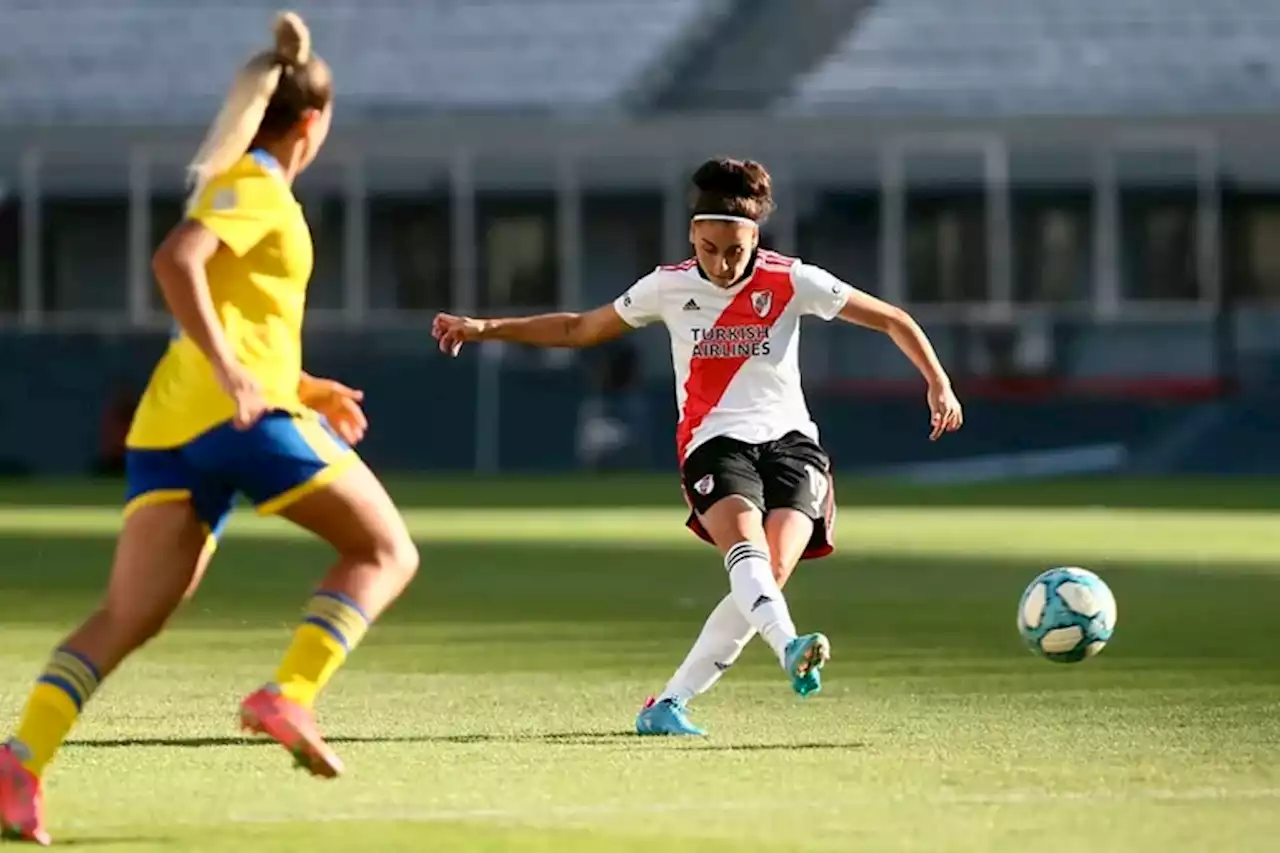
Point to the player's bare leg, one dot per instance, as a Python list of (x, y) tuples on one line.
[(755, 603), (160, 556), (788, 532), (737, 528), (376, 561), (202, 566), (377, 558), (727, 632)]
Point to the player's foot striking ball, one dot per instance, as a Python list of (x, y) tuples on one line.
[(757, 481), (229, 411)]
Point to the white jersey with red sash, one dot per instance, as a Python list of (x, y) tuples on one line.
[(736, 350)]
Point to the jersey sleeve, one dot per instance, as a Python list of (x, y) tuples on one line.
[(642, 303), (818, 292), (240, 209)]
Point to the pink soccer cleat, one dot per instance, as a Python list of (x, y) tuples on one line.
[(293, 726), (21, 801)]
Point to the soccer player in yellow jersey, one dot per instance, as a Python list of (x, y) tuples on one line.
[(229, 410)]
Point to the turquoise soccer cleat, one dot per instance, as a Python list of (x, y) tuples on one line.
[(803, 662), (666, 717)]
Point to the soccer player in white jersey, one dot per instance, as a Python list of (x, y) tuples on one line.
[(757, 481)]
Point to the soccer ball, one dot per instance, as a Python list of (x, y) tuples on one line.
[(1067, 615)]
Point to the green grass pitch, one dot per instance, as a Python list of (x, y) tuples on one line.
[(492, 709)]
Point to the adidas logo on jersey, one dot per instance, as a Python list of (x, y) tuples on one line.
[(691, 306)]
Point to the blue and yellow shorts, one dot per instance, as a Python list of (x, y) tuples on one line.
[(280, 459)]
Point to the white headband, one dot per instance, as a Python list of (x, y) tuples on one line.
[(723, 217)]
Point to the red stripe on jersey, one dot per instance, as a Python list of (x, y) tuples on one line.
[(776, 257), (709, 378), (769, 258), (680, 267)]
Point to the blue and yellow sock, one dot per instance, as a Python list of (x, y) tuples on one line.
[(59, 694), (332, 626)]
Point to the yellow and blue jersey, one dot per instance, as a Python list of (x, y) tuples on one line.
[(181, 445), (258, 282)]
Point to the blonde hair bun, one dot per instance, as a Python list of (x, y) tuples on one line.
[(293, 39), (241, 116)]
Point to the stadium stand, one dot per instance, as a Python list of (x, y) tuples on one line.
[(967, 57), (160, 60), (773, 43)]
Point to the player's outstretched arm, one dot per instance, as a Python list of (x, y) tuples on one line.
[(565, 329), (866, 310)]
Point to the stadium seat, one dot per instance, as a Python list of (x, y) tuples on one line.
[(1048, 56), (153, 59)]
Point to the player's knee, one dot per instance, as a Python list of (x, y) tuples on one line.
[(406, 558), (399, 556), (383, 545), (734, 519)]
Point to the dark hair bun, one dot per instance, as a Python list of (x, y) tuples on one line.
[(733, 187), (744, 179)]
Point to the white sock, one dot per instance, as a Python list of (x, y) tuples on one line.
[(758, 596), (722, 640)]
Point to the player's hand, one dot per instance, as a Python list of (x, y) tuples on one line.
[(240, 385), (339, 405), (945, 414), (452, 332)]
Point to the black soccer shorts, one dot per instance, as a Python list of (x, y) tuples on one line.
[(793, 472)]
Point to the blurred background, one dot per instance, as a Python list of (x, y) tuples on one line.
[(1079, 199)]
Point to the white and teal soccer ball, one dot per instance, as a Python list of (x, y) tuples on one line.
[(1067, 615)]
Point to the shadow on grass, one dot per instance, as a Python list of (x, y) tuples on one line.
[(606, 738), (554, 738), (217, 741), (784, 747), (131, 841)]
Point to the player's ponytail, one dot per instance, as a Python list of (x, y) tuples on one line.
[(732, 188), (271, 90)]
